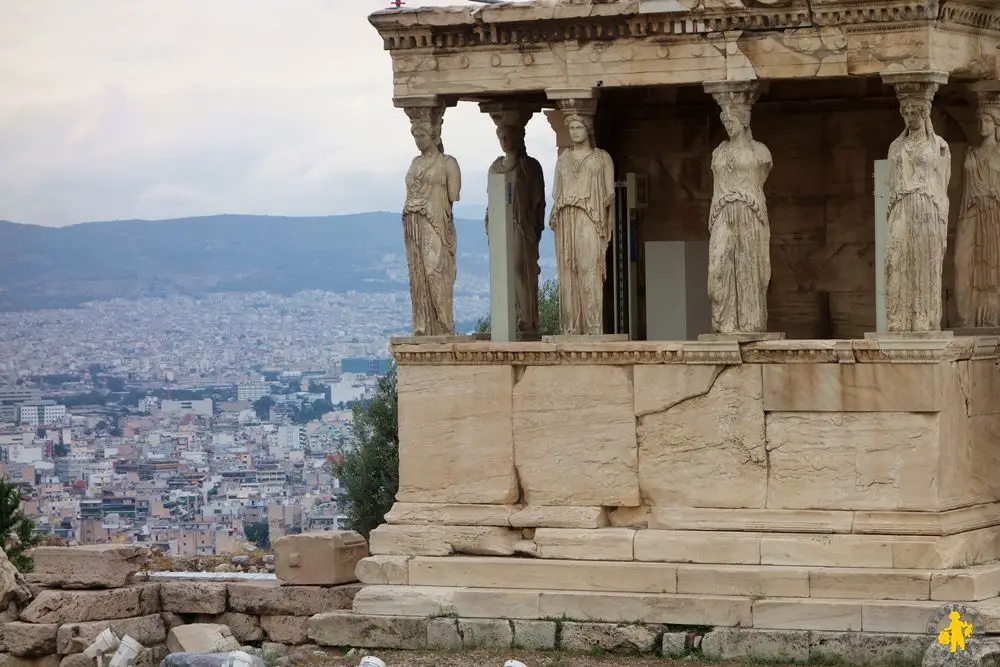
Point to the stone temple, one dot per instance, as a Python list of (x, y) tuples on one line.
[(774, 405)]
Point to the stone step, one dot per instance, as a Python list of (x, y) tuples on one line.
[(694, 546), (979, 582), (777, 613)]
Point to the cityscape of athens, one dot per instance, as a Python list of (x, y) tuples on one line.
[(526, 333)]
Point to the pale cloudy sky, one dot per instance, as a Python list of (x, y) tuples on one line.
[(168, 108)]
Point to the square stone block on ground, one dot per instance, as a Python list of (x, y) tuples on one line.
[(319, 559)]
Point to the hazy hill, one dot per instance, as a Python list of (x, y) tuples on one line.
[(45, 267)]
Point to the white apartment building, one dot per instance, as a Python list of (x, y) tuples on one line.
[(202, 408), (251, 390), (42, 413)]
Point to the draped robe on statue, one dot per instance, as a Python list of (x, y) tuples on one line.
[(977, 244), (916, 231), (431, 244), (582, 219), (739, 247), (529, 221)]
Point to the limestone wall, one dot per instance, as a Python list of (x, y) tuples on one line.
[(688, 452), (824, 138)]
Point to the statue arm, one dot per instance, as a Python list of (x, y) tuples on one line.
[(609, 188), (454, 179), (556, 193)]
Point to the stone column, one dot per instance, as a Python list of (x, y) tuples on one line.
[(584, 173), (739, 246), (977, 240), (433, 185), (524, 219), (917, 221), (557, 120)]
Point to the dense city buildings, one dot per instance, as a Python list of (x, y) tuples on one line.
[(195, 425)]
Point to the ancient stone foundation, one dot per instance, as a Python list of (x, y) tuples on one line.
[(791, 488)]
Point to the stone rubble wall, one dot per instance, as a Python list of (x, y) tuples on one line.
[(77, 592)]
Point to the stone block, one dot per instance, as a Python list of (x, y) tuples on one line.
[(542, 516), (866, 648), (75, 637), (450, 514), (539, 574), (7, 660), (750, 520), (574, 436), (56, 606), (397, 540), (29, 640), (455, 439), (485, 633), (405, 601), (897, 616), (193, 597), (318, 559), (756, 645), (77, 660), (382, 569), (606, 544), (701, 435), (152, 656), (494, 603), (680, 546), (852, 387), (442, 634), (748, 580), (534, 635), (201, 638), (853, 461), (608, 637), (286, 629), (974, 583), (273, 600), (340, 628), (674, 644), (869, 583), (92, 566), (807, 614), (630, 607), (827, 550), (245, 627)]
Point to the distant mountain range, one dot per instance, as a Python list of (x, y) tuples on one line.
[(61, 267)]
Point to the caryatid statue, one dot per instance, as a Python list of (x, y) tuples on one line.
[(977, 242), (582, 220), (739, 246), (528, 208), (917, 224), (433, 184)]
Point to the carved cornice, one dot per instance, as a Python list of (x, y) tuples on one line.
[(694, 352), (529, 23)]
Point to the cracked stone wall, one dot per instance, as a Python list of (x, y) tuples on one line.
[(820, 192)]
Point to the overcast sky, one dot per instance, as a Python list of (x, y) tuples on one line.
[(169, 108)]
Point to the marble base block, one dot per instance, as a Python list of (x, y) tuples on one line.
[(742, 337)]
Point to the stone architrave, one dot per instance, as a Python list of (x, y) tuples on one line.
[(739, 255), (917, 223), (433, 185), (528, 204), (582, 217), (977, 242)]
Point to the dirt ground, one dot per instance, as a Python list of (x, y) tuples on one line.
[(529, 658)]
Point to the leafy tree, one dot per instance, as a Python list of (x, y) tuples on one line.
[(548, 311), (60, 449), (368, 467), (259, 533), (262, 407), (116, 385), (17, 530), (312, 411)]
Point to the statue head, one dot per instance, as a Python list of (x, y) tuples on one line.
[(425, 127), (736, 120), (915, 103), (988, 115), (581, 128), (511, 137)]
